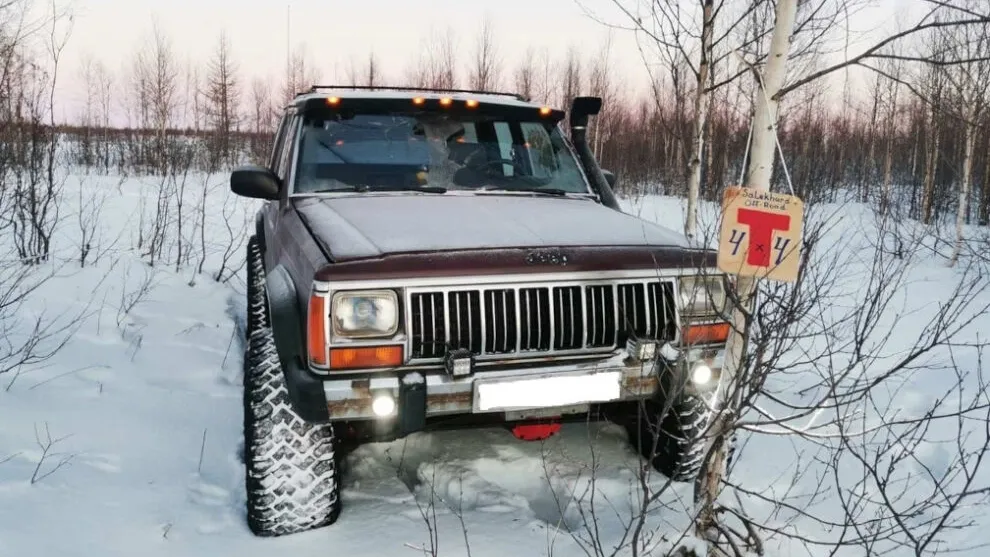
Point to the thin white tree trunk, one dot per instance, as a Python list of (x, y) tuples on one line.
[(758, 176), (888, 156), (969, 141), (701, 101)]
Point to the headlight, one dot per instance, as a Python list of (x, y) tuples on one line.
[(702, 296), (371, 313)]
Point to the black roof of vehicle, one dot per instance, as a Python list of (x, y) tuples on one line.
[(487, 101)]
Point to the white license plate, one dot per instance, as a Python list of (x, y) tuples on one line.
[(547, 391)]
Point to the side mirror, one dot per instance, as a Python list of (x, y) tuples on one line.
[(254, 181), (610, 178)]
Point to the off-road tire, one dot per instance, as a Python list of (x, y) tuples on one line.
[(678, 437), (290, 466), (257, 308)]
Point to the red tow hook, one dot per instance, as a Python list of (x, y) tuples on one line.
[(535, 431)]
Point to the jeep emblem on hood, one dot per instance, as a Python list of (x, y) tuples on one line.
[(552, 257)]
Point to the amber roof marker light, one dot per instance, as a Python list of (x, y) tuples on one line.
[(333, 101)]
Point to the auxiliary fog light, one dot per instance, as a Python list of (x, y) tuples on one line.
[(642, 349), (459, 363), (701, 375), (383, 406)]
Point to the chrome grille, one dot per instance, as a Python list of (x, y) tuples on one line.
[(568, 323), (428, 325), (534, 320), (506, 321), (464, 316), (601, 315)]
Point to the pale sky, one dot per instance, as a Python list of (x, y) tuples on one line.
[(337, 31), (334, 32)]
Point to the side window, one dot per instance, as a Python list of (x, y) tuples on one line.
[(287, 149), (277, 145)]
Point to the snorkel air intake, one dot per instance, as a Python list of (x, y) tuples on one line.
[(581, 109)]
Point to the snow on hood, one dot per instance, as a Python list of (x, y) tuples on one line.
[(361, 227)]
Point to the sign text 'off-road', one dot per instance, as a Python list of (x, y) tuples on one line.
[(761, 234)]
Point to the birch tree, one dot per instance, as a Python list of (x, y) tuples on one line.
[(968, 83), (758, 175), (525, 75), (485, 70)]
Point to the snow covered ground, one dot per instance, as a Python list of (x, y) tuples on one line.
[(141, 413)]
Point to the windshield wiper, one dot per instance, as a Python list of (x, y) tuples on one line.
[(557, 192), (360, 189), (424, 189), (365, 189)]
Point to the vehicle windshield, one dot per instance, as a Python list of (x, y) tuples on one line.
[(382, 152)]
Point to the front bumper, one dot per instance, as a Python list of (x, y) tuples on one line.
[(352, 399)]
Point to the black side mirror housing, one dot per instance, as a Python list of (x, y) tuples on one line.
[(254, 181), (610, 178)]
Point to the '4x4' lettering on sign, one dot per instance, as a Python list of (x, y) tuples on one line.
[(761, 234)]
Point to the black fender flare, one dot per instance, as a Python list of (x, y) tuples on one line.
[(259, 229), (305, 388)]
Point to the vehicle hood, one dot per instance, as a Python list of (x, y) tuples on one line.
[(361, 227)]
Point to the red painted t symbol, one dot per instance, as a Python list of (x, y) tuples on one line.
[(761, 228)]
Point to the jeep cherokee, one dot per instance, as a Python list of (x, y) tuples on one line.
[(428, 256)]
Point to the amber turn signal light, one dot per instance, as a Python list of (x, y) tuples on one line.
[(317, 334), (365, 357), (706, 334)]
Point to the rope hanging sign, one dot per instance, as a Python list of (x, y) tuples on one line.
[(760, 234)]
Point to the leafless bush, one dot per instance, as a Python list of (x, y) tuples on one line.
[(130, 298), (181, 156), (201, 211), (159, 224), (47, 445), (232, 258), (89, 213), (27, 339), (34, 194)]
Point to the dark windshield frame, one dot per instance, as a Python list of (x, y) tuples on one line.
[(561, 144)]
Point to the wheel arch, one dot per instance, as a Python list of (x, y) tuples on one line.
[(259, 228), (286, 315)]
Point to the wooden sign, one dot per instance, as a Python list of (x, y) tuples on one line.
[(760, 234)]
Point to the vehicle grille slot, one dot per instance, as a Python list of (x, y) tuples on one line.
[(464, 315), (661, 307), (428, 333), (632, 311), (601, 315), (500, 321), (534, 322), (568, 319)]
